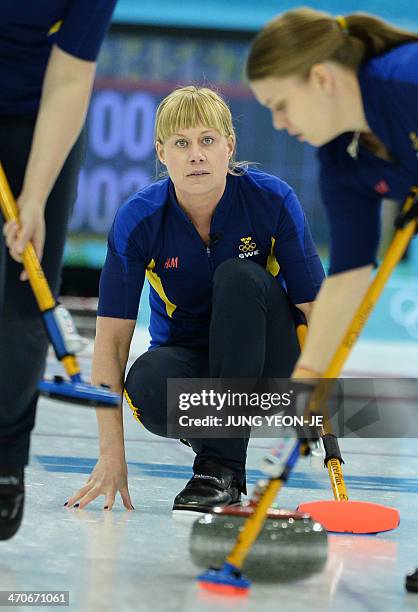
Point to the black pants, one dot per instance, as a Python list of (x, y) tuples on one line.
[(252, 334), (23, 340)]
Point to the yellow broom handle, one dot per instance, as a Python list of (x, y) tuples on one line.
[(253, 524), (31, 263)]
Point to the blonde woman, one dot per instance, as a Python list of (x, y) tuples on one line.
[(228, 253), (348, 85)]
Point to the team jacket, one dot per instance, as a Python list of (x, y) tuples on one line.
[(29, 28), (352, 189), (258, 218)]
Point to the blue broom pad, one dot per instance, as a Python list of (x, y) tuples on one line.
[(78, 392)]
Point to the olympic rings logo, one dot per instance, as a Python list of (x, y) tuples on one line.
[(248, 245), (404, 310)]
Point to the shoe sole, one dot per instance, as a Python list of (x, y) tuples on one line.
[(187, 517)]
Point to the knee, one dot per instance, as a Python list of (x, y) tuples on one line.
[(236, 273)]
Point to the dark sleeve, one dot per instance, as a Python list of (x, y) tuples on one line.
[(296, 254), (84, 27), (353, 213), (123, 274)]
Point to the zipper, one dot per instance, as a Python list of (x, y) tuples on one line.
[(210, 260), (205, 246)]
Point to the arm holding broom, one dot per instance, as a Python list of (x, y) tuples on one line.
[(337, 302)]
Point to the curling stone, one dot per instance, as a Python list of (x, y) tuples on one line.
[(290, 545)]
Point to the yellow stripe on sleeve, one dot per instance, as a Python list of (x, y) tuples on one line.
[(155, 282)]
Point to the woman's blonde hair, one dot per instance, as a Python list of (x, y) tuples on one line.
[(190, 107), (297, 39)]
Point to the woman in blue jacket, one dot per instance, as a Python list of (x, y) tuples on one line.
[(227, 251), (48, 54), (348, 85)]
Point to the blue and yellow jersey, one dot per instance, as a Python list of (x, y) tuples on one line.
[(258, 218), (352, 189), (29, 28)]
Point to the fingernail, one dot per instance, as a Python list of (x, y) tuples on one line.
[(66, 504), (76, 505), (106, 508)]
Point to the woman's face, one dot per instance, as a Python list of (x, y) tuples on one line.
[(307, 109), (197, 160)]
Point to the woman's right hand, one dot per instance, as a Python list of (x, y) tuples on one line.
[(109, 476), (31, 227)]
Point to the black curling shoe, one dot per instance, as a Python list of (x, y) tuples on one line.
[(411, 582), (212, 485), (12, 496)]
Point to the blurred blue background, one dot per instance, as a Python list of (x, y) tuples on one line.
[(250, 15), (153, 47)]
